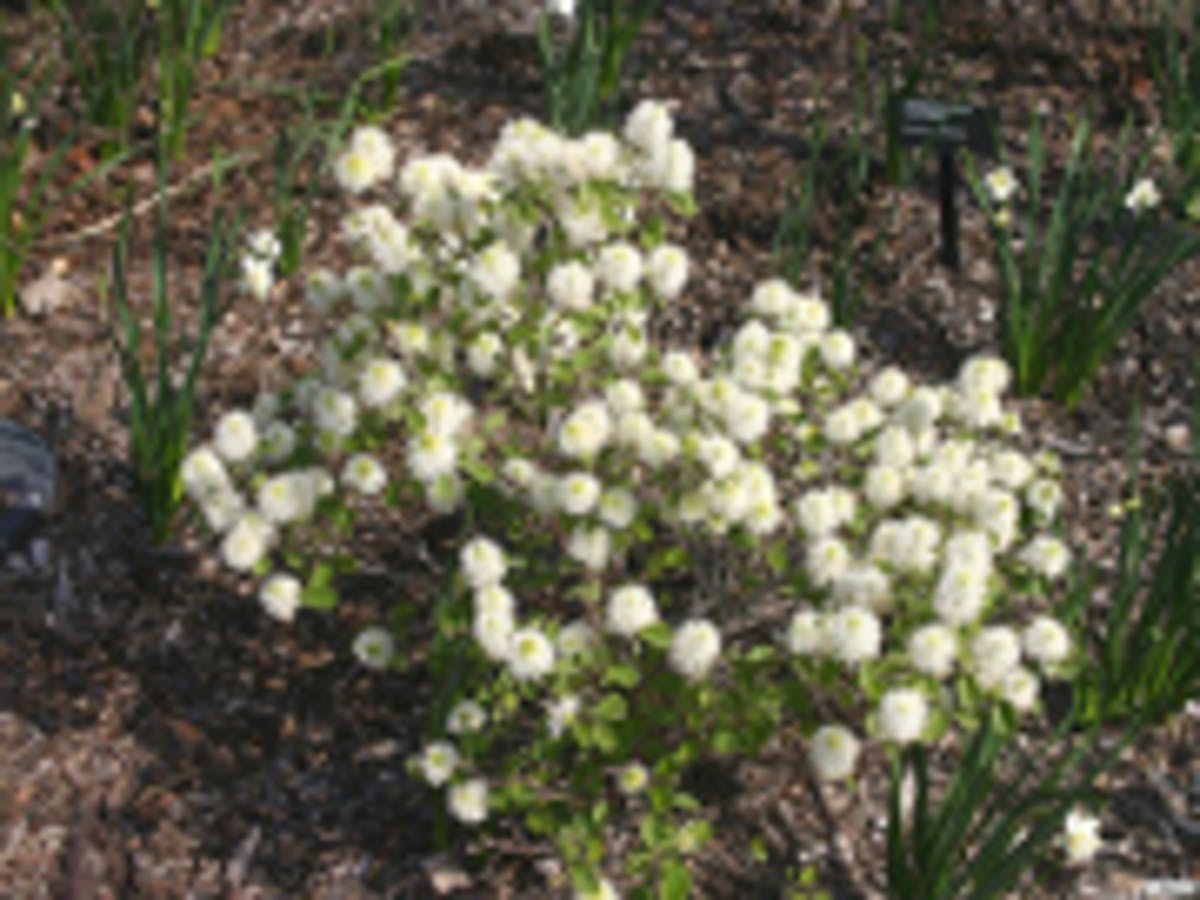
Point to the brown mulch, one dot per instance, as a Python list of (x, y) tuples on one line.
[(160, 737)]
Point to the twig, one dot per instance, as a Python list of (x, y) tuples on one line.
[(108, 223)]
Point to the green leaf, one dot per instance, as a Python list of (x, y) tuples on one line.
[(319, 592), (657, 635), (624, 675), (611, 708)]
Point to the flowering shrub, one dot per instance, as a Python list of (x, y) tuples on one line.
[(662, 557)]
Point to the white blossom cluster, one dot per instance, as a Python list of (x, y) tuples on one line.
[(497, 329)]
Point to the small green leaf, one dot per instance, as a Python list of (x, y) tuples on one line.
[(612, 708), (657, 635), (623, 675)]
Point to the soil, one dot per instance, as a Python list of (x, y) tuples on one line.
[(161, 737)]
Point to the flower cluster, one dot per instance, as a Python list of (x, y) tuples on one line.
[(493, 347)]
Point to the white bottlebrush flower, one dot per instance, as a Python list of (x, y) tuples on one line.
[(632, 778), (280, 596), (933, 649), (1142, 196), (466, 717), (369, 159), (494, 599), (863, 584), (445, 412), (895, 447), (995, 651), (618, 507), (695, 647), (1000, 184), (1047, 556), (1046, 641), (837, 350), (585, 431), (667, 270), (431, 455), (365, 474), (203, 474), (258, 277), (983, 374), (825, 560), (530, 655), (247, 542), (884, 486), (468, 801), (278, 442), (902, 715), (627, 347), (1044, 497), (561, 713), (575, 639), (223, 509), (496, 271), (1081, 837), (680, 368), (620, 267), (445, 493), (889, 387), (493, 632), (483, 563), (1020, 687), (833, 751), (855, 635), (630, 609), (381, 382), (807, 634), (649, 127), (961, 592), (483, 354), (578, 493), (236, 436), (438, 762), (590, 547), (374, 647), (335, 412)]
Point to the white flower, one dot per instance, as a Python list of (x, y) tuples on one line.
[(369, 159), (374, 647), (438, 762), (278, 442), (236, 436), (649, 127), (204, 474), (444, 494), (837, 350), (855, 634), (984, 375), (604, 889), (1000, 184), (561, 714), (468, 802), (833, 751), (445, 412), (630, 609), (902, 715), (1081, 837), (932, 650), (619, 266), (960, 593), (380, 382), (995, 651), (590, 547), (578, 493), (258, 277), (1047, 556), (1044, 497), (885, 486), (680, 368), (807, 634), (496, 271), (825, 560), (617, 508), (482, 354), (695, 647), (222, 509), (633, 778), (585, 431), (863, 585), (493, 631), (335, 412), (889, 387), (466, 717), (431, 455), (1020, 687), (1142, 196), (667, 270), (483, 563), (365, 474), (530, 655), (280, 596), (247, 542), (1046, 641), (575, 639)]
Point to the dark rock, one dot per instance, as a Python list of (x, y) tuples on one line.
[(28, 480)]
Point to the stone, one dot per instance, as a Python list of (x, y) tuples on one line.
[(48, 294), (28, 482)]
